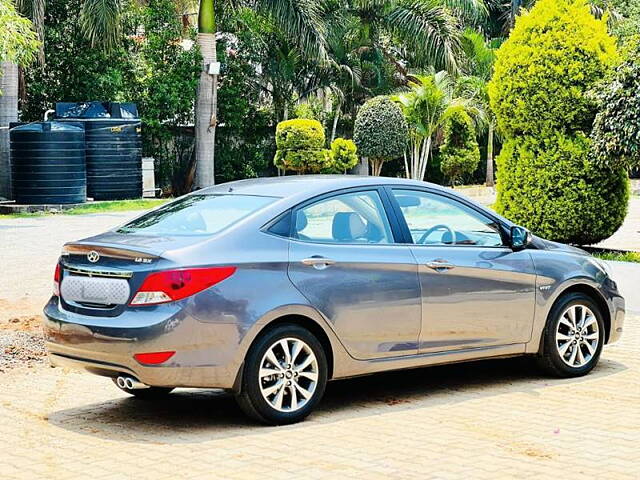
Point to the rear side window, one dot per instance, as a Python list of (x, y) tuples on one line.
[(196, 215), (356, 217)]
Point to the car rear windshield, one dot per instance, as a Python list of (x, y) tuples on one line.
[(196, 215)]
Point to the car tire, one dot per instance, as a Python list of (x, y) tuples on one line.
[(573, 337), (151, 393), (275, 394)]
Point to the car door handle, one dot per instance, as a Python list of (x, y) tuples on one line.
[(439, 265), (319, 263)]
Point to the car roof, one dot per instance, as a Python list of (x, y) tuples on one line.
[(307, 185)]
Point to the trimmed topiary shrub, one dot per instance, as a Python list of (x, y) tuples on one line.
[(539, 93), (380, 131), (299, 144), (616, 130), (552, 188), (554, 55), (342, 155), (460, 152)]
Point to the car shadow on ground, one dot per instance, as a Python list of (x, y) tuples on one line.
[(193, 416)]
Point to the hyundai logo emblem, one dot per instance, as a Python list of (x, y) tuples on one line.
[(93, 256)]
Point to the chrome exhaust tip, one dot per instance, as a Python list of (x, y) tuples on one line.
[(129, 383)]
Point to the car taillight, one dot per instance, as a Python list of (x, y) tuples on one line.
[(56, 281), (172, 285)]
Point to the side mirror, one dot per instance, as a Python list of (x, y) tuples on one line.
[(520, 237)]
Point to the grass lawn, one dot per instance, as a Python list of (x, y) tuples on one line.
[(618, 256), (99, 207)]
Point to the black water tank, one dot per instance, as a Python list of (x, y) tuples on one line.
[(114, 158), (113, 147), (48, 163)]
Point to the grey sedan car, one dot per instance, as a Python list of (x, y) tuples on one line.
[(269, 288)]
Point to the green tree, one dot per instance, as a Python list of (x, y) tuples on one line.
[(73, 70), (426, 106), (616, 130), (480, 56), (18, 45), (300, 20), (165, 85), (460, 152), (18, 40), (380, 132), (555, 54), (342, 156)]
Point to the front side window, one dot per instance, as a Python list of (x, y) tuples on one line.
[(196, 215), (357, 217), (438, 220)]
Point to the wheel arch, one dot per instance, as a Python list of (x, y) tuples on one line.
[(308, 324), (592, 293), (326, 338)]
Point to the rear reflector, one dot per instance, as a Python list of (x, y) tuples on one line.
[(172, 285), (153, 358), (56, 281)]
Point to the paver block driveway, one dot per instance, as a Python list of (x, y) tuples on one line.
[(495, 419)]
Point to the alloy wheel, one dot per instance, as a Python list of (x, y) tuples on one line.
[(288, 374), (577, 335)]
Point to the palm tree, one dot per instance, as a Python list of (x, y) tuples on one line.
[(426, 106), (480, 56), (300, 20), (18, 45), (427, 30)]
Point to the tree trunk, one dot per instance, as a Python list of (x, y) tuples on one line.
[(336, 117), (206, 114), (206, 107), (376, 166), (8, 113), (490, 182)]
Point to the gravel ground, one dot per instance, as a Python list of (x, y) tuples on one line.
[(21, 349)]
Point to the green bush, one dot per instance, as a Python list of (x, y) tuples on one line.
[(342, 155), (460, 152), (552, 188), (555, 53), (380, 131), (300, 145), (616, 130), (539, 93), (299, 133), (303, 161)]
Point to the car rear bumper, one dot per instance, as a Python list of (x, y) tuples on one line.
[(207, 354)]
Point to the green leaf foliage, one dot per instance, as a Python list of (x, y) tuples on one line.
[(18, 40), (299, 134), (550, 186), (150, 67), (539, 93), (342, 155), (74, 70), (460, 152), (299, 144), (380, 130), (616, 129), (554, 55)]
